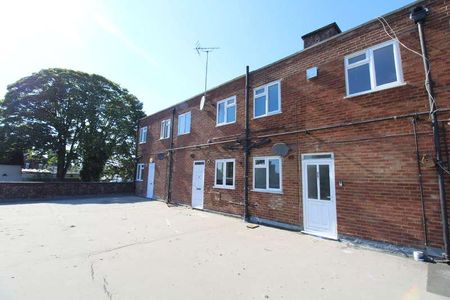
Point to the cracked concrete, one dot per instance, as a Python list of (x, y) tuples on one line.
[(122, 248)]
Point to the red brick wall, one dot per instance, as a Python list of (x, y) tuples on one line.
[(376, 162), (42, 190)]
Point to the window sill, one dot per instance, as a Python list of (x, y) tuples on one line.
[(140, 143), (139, 180), (223, 187), (267, 191), (182, 134), (224, 124), (267, 115), (163, 138), (389, 86)]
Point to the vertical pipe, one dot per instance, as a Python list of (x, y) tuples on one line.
[(170, 167), (420, 179), (136, 159), (437, 144), (246, 142)]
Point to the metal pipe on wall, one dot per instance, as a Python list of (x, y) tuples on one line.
[(418, 15), (170, 153), (420, 181), (246, 141)]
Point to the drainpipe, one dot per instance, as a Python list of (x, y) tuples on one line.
[(170, 168), (246, 142), (420, 180), (418, 15), (136, 158)]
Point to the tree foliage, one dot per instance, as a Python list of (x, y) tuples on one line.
[(76, 115)]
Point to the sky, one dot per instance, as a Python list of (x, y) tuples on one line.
[(148, 46)]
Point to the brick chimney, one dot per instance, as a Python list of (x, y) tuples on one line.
[(320, 34)]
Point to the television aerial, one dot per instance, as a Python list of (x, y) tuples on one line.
[(206, 50)]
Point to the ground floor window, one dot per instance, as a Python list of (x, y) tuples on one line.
[(224, 174), (267, 174), (140, 172)]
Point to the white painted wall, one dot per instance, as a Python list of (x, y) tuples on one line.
[(10, 173)]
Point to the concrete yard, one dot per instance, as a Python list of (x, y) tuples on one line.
[(127, 248)]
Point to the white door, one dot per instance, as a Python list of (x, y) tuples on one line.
[(150, 180), (198, 182), (319, 195)]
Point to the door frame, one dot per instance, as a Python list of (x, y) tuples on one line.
[(148, 177), (332, 234), (192, 184)]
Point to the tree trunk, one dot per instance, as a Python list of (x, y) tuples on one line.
[(61, 170)]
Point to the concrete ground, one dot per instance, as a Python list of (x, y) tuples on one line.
[(127, 248)]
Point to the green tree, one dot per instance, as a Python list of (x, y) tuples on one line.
[(71, 114)]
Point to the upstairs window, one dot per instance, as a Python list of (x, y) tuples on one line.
[(226, 111), (165, 129), (225, 174), (143, 135), (267, 174), (373, 69), (267, 100), (140, 172), (184, 123)]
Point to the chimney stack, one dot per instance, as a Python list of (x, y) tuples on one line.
[(320, 34)]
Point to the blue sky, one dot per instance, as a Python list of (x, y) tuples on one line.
[(148, 46)]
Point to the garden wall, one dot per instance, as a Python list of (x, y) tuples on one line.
[(46, 190)]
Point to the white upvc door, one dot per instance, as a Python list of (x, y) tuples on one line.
[(150, 180), (319, 195), (198, 183)]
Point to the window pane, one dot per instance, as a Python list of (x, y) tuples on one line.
[(181, 124), (384, 65), (260, 162), (221, 113), (273, 98), (231, 114), (316, 156), (357, 58), (324, 173), (230, 102), (260, 106), (260, 178), (359, 79), (312, 181), (259, 91), (188, 123), (229, 174), (274, 173), (219, 173)]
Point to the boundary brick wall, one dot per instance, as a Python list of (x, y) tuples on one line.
[(48, 190)]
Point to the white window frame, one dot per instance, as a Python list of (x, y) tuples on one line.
[(190, 121), (266, 166), (165, 123), (225, 111), (140, 172), (266, 93), (224, 186), (370, 60), (143, 135)]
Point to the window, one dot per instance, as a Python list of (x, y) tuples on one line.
[(373, 69), (267, 174), (140, 172), (225, 174), (184, 123), (226, 111), (142, 135), (165, 129), (267, 100)]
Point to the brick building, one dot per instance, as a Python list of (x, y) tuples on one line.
[(330, 133)]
